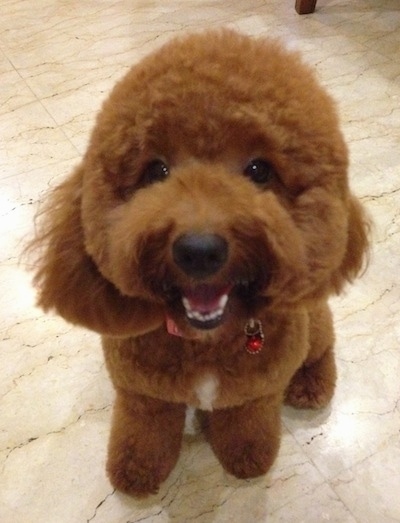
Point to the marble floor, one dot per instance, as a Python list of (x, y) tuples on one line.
[(58, 59)]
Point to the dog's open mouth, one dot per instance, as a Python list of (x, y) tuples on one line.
[(205, 305)]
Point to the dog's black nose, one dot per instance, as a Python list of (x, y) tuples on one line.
[(200, 255)]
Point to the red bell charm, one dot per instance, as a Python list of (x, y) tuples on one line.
[(255, 336)]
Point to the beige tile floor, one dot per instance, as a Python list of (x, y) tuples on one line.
[(57, 61)]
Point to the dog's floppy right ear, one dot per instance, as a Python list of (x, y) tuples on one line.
[(68, 280), (357, 249)]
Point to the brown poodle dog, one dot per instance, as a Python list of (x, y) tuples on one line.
[(201, 235)]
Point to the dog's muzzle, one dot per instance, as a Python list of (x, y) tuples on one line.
[(201, 256)]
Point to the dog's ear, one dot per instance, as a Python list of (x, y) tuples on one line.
[(68, 280), (356, 254)]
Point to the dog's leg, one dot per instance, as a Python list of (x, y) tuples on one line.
[(313, 385), (144, 443), (245, 439)]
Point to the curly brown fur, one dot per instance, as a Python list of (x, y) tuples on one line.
[(214, 191)]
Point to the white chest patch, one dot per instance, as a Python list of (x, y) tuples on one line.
[(206, 391)]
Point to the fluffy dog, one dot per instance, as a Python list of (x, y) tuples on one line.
[(201, 235)]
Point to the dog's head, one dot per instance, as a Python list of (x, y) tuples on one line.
[(214, 187)]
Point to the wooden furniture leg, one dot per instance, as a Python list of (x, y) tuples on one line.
[(304, 7)]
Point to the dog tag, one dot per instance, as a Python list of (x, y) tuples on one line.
[(255, 336)]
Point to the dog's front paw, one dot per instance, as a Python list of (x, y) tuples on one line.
[(138, 475), (246, 459), (245, 439), (144, 443), (313, 385)]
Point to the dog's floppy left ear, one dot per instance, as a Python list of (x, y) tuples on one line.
[(69, 281), (356, 255)]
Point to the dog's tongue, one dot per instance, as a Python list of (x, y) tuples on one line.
[(205, 298)]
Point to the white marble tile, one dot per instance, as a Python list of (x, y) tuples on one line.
[(319, 505), (14, 91), (31, 139), (372, 487), (57, 62), (55, 471)]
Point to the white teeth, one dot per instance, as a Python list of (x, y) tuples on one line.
[(194, 315), (223, 301), (202, 316), (186, 303)]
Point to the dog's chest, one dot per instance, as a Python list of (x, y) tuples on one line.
[(206, 391)]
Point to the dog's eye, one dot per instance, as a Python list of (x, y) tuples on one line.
[(155, 171), (259, 171)]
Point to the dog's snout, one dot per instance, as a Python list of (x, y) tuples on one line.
[(200, 255)]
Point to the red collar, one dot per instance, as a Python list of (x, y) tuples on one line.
[(252, 330)]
